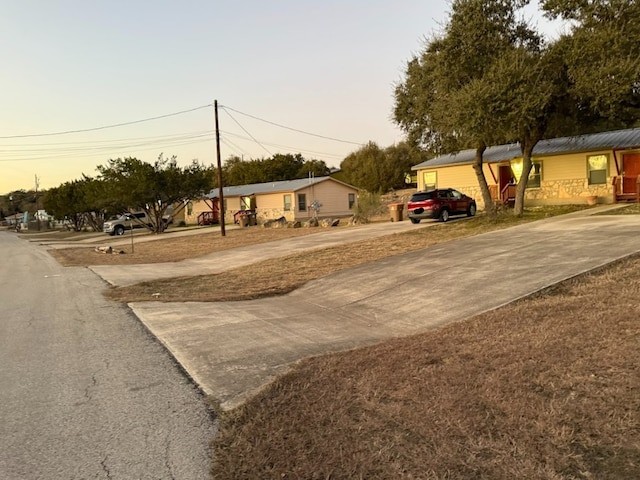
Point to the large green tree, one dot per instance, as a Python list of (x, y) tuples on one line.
[(439, 104), (379, 170), (586, 81), (527, 93), (366, 168), (156, 187), (602, 52)]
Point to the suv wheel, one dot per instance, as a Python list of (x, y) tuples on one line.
[(414, 220), (444, 215), (472, 210), (119, 230)]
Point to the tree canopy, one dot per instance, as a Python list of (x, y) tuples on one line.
[(276, 168), (378, 170), (18, 201), (442, 103), (154, 188), (490, 79)]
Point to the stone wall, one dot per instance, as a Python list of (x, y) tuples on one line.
[(557, 192)]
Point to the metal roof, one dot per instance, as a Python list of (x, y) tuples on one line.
[(269, 187), (618, 139)]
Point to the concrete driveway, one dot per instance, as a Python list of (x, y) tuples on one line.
[(233, 349)]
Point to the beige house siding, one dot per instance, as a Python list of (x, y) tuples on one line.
[(332, 195), (192, 211), (460, 177), (269, 206), (564, 179)]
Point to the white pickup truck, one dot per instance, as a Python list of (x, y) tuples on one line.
[(126, 221)]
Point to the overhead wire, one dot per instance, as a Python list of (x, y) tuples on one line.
[(101, 145), (102, 150), (288, 147), (94, 147), (107, 126), (245, 131), (225, 108)]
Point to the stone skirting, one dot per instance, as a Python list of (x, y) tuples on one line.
[(556, 192)]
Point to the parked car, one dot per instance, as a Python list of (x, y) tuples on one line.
[(439, 203), (128, 221)]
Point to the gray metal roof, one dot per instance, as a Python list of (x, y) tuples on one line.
[(269, 187), (629, 138)]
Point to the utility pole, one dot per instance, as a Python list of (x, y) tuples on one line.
[(220, 185)]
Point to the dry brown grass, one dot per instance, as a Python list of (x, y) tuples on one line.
[(547, 388)]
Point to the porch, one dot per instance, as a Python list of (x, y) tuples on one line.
[(506, 196), (626, 189)]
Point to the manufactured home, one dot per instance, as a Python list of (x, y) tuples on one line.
[(293, 199), (601, 167)]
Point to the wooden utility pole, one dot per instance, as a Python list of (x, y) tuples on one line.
[(220, 185)]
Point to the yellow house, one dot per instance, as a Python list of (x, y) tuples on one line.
[(601, 167), (293, 199)]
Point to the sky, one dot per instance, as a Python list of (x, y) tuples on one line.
[(88, 81)]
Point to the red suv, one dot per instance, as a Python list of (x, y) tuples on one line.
[(440, 203)]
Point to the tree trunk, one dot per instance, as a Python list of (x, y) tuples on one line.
[(527, 149), (489, 204)]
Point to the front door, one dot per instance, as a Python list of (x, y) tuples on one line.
[(630, 172), (505, 175)]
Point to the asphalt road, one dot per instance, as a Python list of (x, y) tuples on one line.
[(85, 390)]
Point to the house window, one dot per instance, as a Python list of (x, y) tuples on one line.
[(597, 169), (245, 203), (352, 200), (429, 179), (535, 175), (302, 202), (287, 203)]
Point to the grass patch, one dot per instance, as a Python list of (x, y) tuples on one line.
[(546, 388)]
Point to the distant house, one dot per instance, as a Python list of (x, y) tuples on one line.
[(602, 167), (293, 199), (15, 219)]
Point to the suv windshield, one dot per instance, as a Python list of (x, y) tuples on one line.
[(422, 196)]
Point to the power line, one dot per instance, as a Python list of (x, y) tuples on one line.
[(107, 126), (225, 108), (105, 149), (288, 147), (102, 145), (114, 140), (245, 131), (42, 151)]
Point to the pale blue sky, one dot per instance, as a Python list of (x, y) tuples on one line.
[(324, 67)]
